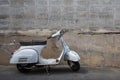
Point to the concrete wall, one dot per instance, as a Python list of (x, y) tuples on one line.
[(97, 49), (97, 16), (59, 13)]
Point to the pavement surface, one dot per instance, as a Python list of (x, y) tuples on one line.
[(60, 73)]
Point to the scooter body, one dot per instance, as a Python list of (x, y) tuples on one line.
[(29, 55)]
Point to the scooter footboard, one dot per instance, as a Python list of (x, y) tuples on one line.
[(24, 56)]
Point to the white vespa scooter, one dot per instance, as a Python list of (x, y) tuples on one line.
[(28, 55)]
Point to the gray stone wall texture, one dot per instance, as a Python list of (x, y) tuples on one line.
[(98, 44), (59, 13)]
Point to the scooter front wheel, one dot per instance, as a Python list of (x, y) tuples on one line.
[(24, 68), (75, 66)]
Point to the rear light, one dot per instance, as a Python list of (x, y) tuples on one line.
[(12, 53)]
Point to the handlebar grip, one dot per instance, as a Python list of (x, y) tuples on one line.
[(49, 37)]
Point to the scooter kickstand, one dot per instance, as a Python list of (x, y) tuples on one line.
[(47, 70)]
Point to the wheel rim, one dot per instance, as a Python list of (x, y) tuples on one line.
[(75, 66), (23, 68)]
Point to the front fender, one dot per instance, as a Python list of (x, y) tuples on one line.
[(24, 56), (72, 56)]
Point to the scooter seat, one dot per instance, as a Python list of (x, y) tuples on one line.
[(33, 42)]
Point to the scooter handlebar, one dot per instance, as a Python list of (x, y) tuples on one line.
[(59, 33), (49, 37)]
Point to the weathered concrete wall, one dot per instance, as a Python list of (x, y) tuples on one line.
[(59, 13), (87, 15), (96, 49)]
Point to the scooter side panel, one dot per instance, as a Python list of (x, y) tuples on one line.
[(24, 56)]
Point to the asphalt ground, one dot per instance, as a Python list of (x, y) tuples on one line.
[(62, 72)]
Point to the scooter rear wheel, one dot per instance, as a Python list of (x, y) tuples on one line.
[(75, 66), (24, 68)]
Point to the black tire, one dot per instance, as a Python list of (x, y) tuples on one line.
[(24, 68), (75, 66)]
